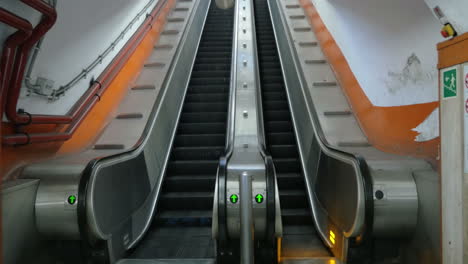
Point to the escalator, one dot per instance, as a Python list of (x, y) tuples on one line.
[(300, 239), (181, 228)]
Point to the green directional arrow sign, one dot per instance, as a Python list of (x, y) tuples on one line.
[(234, 198), (259, 198), (72, 199)]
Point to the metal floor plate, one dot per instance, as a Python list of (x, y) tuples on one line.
[(302, 242)]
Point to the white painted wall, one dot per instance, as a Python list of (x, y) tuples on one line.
[(456, 12), (389, 45), (84, 29), (20, 9)]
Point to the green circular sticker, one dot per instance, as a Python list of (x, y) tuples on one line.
[(234, 198), (71, 199), (259, 198)]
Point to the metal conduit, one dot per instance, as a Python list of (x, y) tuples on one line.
[(85, 72), (89, 99)]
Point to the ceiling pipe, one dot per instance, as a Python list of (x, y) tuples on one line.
[(25, 138), (24, 29), (48, 20), (93, 94)]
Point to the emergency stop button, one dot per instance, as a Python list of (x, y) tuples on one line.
[(448, 31)]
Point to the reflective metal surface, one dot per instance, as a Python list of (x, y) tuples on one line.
[(246, 155), (347, 191), (18, 226), (225, 4), (152, 153), (246, 219), (55, 216), (395, 203), (313, 145)]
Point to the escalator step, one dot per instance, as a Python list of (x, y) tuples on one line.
[(185, 218), (216, 43), (270, 96), (187, 201), (215, 37), (216, 48), (215, 97), (204, 183), (202, 128), (283, 138), (211, 74), (203, 89), (203, 117), (287, 165), (212, 67), (271, 65), (273, 87), (293, 199), (197, 153), (209, 80), (300, 216), (205, 107), (271, 79), (290, 181), (216, 60), (190, 167), (279, 126), (282, 115), (284, 151), (195, 140), (275, 105)]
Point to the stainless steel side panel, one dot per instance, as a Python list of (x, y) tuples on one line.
[(133, 180), (18, 227), (247, 147), (337, 202)]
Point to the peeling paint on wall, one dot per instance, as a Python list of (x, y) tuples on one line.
[(412, 75), (429, 128), (389, 45)]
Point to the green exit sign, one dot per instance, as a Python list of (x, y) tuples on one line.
[(450, 82)]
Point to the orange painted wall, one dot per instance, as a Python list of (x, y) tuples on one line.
[(387, 128), (13, 158)]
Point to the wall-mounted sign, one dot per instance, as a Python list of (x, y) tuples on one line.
[(450, 83)]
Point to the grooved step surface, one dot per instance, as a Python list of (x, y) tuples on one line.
[(299, 237), (182, 226)]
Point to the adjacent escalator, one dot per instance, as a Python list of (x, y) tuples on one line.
[(181, 228), (300, 239)]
